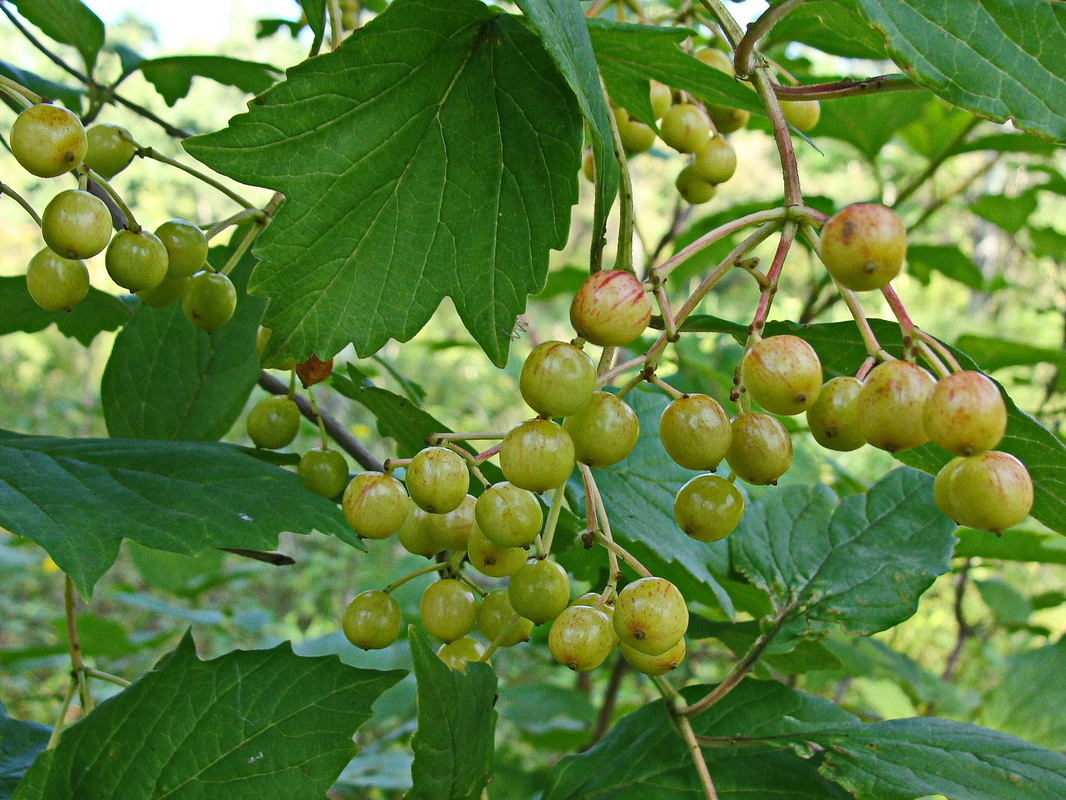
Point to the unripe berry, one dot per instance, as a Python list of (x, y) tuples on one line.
[(693, 189), (537, 455), (650, 615), (438, 479), (581, 638), (137, 260), (186, 247), (834, 417), (708, 508), (610, 308), (654, 665), (375, 505), (496, 617), (416, 533), (111, 148), (636, 137), (802, 115), (965, 414), (56, 283), (372, 620), (863, 246), (508, 515), (539, 590), (273, 422), (892, 403), (714, 57), (782, 374), (461, 652), (557, 379), (448, 609), (695, 432), (761, 449), (941, 488), (164, 293), (727, 119), (453, 530), (208, 300), (716, 161), (324, 472), (48, 140), (76, 224), (588, 165), (685, 127), (991, 491), (604, 432), (661, 98)]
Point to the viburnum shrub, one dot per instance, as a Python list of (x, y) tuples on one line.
[(660, 499)]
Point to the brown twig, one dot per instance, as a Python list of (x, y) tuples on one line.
[(965, 631)]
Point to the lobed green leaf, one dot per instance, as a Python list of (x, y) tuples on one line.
[(98, 312), (69, 22)]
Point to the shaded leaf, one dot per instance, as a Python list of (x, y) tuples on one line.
[(249, 724), (67, 21), (551, 717), (445, 156), (740, 636), (456, 723), (832, 26), (98, 312), (1002, 60), (70, 95), (1009, 143), (1009, 213), (168, 379), (991, 353), (315, 11), (639, 491), (562, 29), (862, 564), (948, 260), (78, 498), (172, 76), (1008, 606), (869, 122), (20, 743), (1014, 545), (1028, 699)]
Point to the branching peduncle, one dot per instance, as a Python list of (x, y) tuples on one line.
[(19, 93), (436, 566), (116, 198), (766, 296), (155, 155), (773, 215), (545, 539)]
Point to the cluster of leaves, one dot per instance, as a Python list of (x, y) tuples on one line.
[(435, 154)]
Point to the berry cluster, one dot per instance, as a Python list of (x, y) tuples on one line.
[(161, 267)]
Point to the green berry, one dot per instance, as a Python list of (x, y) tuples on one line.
[(452, 531), (375, 505), (496, 618), (650, 615), (273, 422), (708, 508), (48, 140), (136, 260), (437, 479), (727, 119), (416, 533), (636, 137), (693, 189), (324, 472), (186, 247), (461, 652), (448, 609), (537, 455), (991, 491), (610, 308), (539, 590), (941, 490), (965, 414), (863, 246), (834, 417), (695, 432), (490, 559), (165, 293), (761, 449), (76, 224), (557, 379), (604, 432), (509, 516), (209, 300), (714, 57), (372, 620), (588, 165), (654, 665), (892, 403), (802, 115), (782, 374), (685, 127), (661, 98), (56, 283), (111, 149), (581, 638), (716, 162)]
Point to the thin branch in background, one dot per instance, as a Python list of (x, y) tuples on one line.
[(610, 700), (935, 163), (964, 629)]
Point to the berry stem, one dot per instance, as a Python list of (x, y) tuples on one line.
[(494, 645), (614, 372), (485, 455), (772, 215), (155, 155), (606, 360), (318, 417), (940, 348), (436, 566), (53, 740), (604, 537), (440, 438), (670, 390), (744, 56), (19, 93), (545, 539), (668, 318), (5, 189), (249, 237), (906, 325), (248, 213), (766, 298), (685, 727), (477, 589), (593, 526), (77, 665), (131, 221), (107, 676)]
